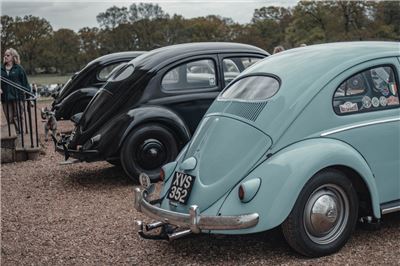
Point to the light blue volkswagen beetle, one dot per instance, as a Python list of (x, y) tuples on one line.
[(308, 139)]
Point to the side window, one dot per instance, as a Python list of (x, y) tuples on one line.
[(105, 72), (233, 66), (370, 90), (198, 74)]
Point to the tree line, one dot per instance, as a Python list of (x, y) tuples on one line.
[(145, 26)]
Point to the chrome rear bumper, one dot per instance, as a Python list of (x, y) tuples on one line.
[(194, 222)]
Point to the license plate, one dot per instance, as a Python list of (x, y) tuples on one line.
[(181, 187)]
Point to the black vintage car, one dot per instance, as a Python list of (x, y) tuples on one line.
[(147, 111), (83, 85)]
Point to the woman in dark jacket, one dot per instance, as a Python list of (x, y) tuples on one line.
[(12, 98)]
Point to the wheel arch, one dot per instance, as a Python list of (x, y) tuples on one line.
[(157, 115), (285, 174), (361, 187), (326, 153)]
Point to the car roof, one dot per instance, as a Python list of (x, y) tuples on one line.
[(322, 62), (159, 57), (304, 72), (116, 56)]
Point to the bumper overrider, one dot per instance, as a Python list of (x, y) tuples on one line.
[(175, 225)]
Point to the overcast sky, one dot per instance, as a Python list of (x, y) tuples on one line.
[(78, 14)]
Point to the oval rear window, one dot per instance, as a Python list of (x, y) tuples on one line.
[(252, 88), (123, 73)]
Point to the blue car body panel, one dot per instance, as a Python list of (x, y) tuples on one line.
[(293, 135)]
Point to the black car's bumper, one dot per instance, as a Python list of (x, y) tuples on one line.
[(61, 146)]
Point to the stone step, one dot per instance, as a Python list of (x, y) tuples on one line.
[(23, 154), (12, 149)]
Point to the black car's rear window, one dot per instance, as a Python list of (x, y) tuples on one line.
[(251, 88), (122, 73)]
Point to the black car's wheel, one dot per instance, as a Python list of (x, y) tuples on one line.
[(324, 215), (146, 149)]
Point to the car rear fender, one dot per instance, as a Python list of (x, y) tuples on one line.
[(76, 100), (159, 115), (284, 175)]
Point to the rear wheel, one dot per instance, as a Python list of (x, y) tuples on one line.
[(146, 149), (324, 215)]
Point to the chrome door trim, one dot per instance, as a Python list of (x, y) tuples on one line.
[(327, 133)]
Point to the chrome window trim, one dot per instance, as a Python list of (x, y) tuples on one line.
[(327, 133)]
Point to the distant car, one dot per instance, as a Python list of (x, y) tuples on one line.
[(307, 139), (53, 88), (148, 110), (77, 92), (44, 91)]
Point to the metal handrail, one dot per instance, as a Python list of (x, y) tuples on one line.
[(17, 86), (21, 109)]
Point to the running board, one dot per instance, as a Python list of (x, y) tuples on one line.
[(389, 207)]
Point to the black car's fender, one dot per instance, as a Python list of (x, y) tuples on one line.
[(114, 133), (74, 103), (159, 115)]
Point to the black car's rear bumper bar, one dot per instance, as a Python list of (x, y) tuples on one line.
[(83, 155)]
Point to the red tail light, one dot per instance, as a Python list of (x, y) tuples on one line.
[(241, 192)]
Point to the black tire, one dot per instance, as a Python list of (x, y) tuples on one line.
[(331, 203), (146, 149)]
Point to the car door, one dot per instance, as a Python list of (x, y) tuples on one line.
[(189, 87), (369, 100)]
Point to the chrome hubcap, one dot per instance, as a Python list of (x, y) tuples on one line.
[(326, 214)]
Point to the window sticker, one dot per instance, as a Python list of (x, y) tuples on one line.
[(366, 102), (383, 101), (349, 107), (393, 100), (393, 88), (375, 102)]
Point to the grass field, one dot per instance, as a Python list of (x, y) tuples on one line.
[(47, 79), (47, 100)]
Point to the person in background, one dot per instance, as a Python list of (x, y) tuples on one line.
[(12, 98), (34, 88), (278, 49)]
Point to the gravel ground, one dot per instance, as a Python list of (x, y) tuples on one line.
[(54, 214)]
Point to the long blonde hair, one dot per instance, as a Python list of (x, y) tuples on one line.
[(14, 55)]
